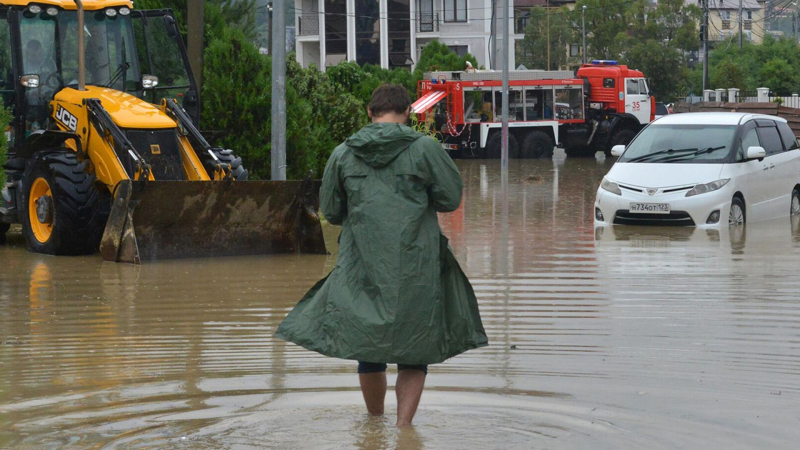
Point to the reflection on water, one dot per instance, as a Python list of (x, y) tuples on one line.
[(618, 337)]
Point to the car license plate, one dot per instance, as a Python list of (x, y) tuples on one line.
[(649, 208)]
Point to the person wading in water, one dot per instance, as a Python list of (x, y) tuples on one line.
[(397, 294)]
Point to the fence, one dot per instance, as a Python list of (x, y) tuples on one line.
[(309, 24), (791, 101), (792, 115)]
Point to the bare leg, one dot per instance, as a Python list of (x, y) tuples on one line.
[(409, 390), (373, 387)]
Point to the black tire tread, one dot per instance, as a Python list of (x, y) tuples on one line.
[(227, 156), (536, 139), (80, 207), (494, 146), (623, 136)]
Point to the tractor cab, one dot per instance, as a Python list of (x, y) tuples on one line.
[(136, 52)]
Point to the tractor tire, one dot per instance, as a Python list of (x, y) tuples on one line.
[(227, 156), (537, 145), (61, 210), (494, 146), (620, 137), (3, 230)]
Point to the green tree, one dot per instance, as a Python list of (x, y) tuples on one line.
[(219, 14), (436, 56), (780, 77), (662, 64), (561, 33)]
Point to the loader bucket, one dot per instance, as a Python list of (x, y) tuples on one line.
[(155, 220)]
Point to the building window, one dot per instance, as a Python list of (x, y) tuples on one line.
[(725, 15), (455, 10), (748, 15), (574, 50), (461, 50)]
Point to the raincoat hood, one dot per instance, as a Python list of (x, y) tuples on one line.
[(378, 144)]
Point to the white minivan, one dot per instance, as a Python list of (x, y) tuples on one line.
[(696, 169)]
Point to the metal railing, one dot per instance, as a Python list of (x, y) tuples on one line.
[(309, 24), (427, 22)]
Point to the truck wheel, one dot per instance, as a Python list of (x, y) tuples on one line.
[(494, 146), (61, 210), (537, 144), (620, 137), (228, 157), (3, 230)]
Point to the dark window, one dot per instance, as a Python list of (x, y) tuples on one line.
[(608, 83), (770, 140), (661, 109), (460, 50), (455, 10), (574, 50), (787, 136)]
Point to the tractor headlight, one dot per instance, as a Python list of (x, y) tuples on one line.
[(35, 9), (707, 187), (111, 12), (124, 11), (52, 11), (610, 186)]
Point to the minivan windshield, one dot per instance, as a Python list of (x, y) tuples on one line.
[(681, 144)]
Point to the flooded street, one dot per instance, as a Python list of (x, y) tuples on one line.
[(599, 339)]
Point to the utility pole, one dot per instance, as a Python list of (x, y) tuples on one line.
[(278, 153), (741, 24), (269, 38), (705, 44), (493, 38), (194, 28), (583, 30), (504, 151), (547, 11)]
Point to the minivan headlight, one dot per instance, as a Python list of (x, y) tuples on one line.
[(610, 186), (707, 187)]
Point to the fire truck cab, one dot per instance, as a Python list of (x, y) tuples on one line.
[(606, 104)]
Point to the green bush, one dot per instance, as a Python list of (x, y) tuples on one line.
[(237, 100)]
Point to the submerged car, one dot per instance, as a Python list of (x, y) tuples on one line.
[(697, 169)]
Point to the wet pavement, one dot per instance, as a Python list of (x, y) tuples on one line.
[(617, 338)]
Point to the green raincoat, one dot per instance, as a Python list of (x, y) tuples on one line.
[(397, 293)]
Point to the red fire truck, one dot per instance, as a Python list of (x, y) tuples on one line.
[(606, 104)]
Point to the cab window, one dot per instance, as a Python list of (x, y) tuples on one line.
[(632, 87), (6, 74), (770, 140), (608, 83)]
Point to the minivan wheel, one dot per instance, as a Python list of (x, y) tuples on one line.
[(737, 214), (795, 209)]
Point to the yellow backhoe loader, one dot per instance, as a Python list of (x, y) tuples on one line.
[(104, 148)]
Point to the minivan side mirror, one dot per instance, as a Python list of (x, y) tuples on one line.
[(755, 153), (617, 150)]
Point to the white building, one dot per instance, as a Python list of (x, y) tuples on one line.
[(391, 33)]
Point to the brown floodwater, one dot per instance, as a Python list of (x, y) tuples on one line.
[(599, 339)]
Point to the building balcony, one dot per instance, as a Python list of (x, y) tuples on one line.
[(309, 25), (427, 22)]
